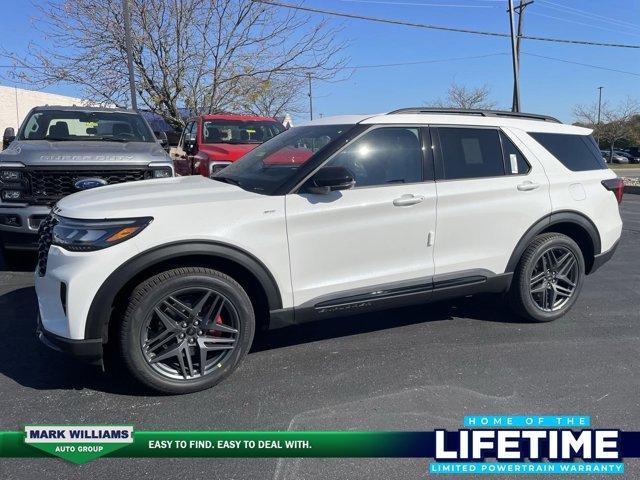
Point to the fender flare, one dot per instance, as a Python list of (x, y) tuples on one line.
[(565, 216), (101, 305)]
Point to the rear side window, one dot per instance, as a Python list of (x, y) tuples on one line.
[(470, 153), (576, 152), (514, 161)]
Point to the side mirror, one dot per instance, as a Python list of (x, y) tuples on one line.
[(8, 137), (162, 139), (329, 179), (189, 146)]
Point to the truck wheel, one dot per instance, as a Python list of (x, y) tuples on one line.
[(186, 329), (548, 278)]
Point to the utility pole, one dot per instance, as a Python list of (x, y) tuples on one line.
[(520, 9), (310, 97), (127, 38), (599, 110), (514, 59)]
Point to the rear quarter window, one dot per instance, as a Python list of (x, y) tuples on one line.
[(576, 152)]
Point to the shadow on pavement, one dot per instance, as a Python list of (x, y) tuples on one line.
[(25, 360), (489, 308), (18, 262)]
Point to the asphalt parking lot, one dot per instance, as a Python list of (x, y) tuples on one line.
[(410, 369)]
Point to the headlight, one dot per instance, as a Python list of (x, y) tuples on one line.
[(10, 176), (162, 173), (11, 194), (89, 235)]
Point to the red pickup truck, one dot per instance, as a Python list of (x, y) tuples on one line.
[(211, 142)]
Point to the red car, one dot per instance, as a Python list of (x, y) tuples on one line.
[(211, 142)]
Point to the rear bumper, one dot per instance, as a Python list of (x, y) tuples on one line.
[(89, 351), (603, 257)]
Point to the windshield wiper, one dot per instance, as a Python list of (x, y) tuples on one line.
[(109, 139)]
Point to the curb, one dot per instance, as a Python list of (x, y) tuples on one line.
[(632, 189)]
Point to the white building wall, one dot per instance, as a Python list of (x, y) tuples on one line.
[(15, 103)]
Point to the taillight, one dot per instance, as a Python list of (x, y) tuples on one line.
[(615, 185)]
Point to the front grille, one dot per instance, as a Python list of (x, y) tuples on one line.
[(49, 186), (45, 233)]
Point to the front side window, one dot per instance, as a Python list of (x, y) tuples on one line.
[(239, 131), (576, 152), (383, 156), (470, 153), (270, 165), (79, 125)]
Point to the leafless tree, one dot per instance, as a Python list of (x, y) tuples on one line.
[(198, 55), (615, 123), (273, 97), (460, 96)]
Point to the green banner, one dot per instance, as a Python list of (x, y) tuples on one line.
[(204, 444)]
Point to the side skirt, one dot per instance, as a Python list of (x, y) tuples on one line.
[(383, 297)]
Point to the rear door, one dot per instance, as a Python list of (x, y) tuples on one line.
[(490, 191), (347, 243)]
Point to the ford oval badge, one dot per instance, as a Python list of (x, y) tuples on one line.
[(87, 183)]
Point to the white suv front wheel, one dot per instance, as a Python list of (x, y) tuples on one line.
[(548, 278), (186, 329)]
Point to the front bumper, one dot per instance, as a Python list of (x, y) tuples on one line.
[(88, 350), (72, 279), (19, 226)]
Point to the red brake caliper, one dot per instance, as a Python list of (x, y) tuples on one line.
[(219, 321)]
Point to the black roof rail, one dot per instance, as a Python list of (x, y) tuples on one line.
[(481, 113)]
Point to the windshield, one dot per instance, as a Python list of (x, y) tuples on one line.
[(239, 131), (271, 164), (82, 126)]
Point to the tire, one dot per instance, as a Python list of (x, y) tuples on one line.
[(537, 293), (155, 326)]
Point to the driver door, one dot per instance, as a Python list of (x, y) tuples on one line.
[(181, 159), (378, 233)]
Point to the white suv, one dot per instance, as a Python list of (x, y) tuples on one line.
[(343, 215)]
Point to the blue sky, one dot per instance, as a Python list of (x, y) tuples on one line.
[(548, 86)]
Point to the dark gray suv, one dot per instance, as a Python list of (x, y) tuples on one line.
[(62, 150)]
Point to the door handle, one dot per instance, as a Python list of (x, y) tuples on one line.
[(407, 200), (528, 186)]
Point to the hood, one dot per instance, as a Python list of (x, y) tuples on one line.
[(226, 151), (44, 152), (148, 197)]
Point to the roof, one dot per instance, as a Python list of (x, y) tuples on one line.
[(81, 108), (237, 117), (481, 118)]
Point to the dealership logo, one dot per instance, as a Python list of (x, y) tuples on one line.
[(87, 183), (527, 445), (78, 444)]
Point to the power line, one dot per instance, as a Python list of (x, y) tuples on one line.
[(591, 15), (419, 62), (419, 4), (437, 27), (590, 25), (599, 67)]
